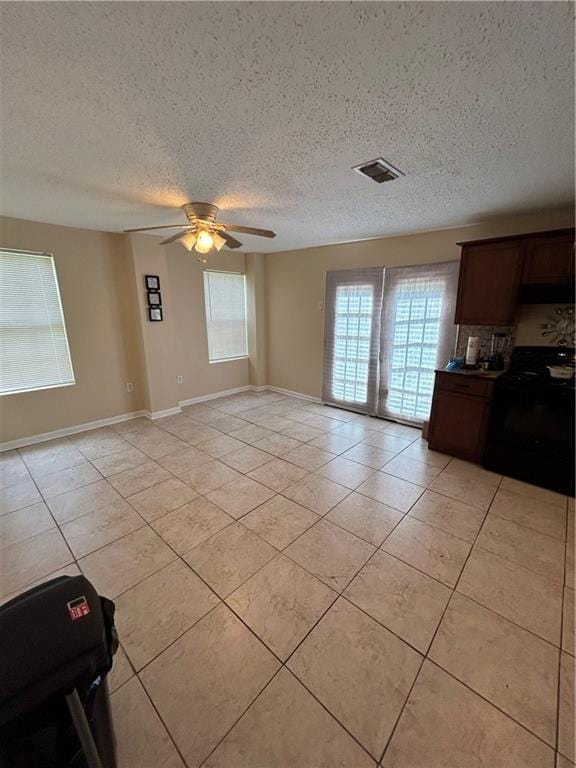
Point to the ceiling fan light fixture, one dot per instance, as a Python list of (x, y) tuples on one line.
[(189, 241), (204, 241), (202, 232)]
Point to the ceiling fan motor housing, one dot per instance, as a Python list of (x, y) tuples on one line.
[(204, 211)]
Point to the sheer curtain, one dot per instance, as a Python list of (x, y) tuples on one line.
[(353, 304), (417, 335)]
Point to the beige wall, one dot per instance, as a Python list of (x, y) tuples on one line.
[(256, 315), (158, 338), (112, 341), (187, 308), (295, 288), (98, 297), (530, 319)]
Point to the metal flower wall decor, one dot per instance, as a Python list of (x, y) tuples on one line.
[(559, 330)]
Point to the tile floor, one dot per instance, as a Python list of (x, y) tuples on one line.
[(301, 586)]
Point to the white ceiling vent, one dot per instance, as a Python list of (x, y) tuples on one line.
[(378, 170)]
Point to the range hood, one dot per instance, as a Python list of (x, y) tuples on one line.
[(546, 294)]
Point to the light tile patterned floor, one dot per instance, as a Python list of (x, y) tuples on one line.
[(301, 586)]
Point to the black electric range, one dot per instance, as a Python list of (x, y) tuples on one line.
[(531, 427)]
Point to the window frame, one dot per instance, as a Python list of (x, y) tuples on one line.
[(60, 385), (246, 355)]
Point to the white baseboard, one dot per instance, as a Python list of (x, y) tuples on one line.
[(291, 393), (152, 415), (215, 395), (66, 431)]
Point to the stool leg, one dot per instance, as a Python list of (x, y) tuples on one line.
[(83, 730)]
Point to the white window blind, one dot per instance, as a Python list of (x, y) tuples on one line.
[(352, 332), (418, 335), (385, 332), (225, 300), (34, 352), (351, 337)]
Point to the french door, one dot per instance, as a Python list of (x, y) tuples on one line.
[(386, 330), (351, 338)]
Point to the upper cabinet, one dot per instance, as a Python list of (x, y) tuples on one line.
[(488, 284), (493, 272), (549, 260)]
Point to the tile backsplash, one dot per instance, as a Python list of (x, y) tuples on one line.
[(484, 333), (527, 332)]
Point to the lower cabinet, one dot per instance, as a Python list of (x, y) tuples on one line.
[(459, 418)]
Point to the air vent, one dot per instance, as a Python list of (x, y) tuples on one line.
[(378, 170)]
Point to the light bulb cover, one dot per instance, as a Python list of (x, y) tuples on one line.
[(204, 241), (219, 241), (189, 241)]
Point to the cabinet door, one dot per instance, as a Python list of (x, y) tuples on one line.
[(458, 425), (549, 260), (488, 283)]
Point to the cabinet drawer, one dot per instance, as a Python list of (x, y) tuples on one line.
[(465, 385)]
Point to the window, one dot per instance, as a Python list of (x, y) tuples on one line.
[(225, 300), (352, 332), (34, 351)]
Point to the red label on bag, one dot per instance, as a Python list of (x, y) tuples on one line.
[(78, 607)]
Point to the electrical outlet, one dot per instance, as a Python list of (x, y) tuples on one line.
[(320, 305), (180, 379), (129, 387)]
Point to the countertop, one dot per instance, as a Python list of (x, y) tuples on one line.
[(478, 374)]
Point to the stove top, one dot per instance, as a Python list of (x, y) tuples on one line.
[(528, 366)]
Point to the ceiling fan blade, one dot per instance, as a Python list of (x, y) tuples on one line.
[(250, 230), (231, 242), (175, 237), (161, 226)]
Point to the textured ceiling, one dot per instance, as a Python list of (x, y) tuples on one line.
[(113, 113)]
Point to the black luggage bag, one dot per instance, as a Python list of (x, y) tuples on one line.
[(57, 641)]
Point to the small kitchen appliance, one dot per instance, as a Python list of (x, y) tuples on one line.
[(498, 345)]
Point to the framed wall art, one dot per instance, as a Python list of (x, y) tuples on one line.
[(152, 282)]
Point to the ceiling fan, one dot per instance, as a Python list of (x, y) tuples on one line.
[(203, 232)]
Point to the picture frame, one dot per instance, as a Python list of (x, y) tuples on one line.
[(152, 282), (155, 314), (154, 299)]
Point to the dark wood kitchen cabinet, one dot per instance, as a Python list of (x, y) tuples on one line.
[(490, 274), (496, 274), (549, 260), (459, 417)]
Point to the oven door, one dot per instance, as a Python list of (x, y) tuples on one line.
[(530, 434)]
